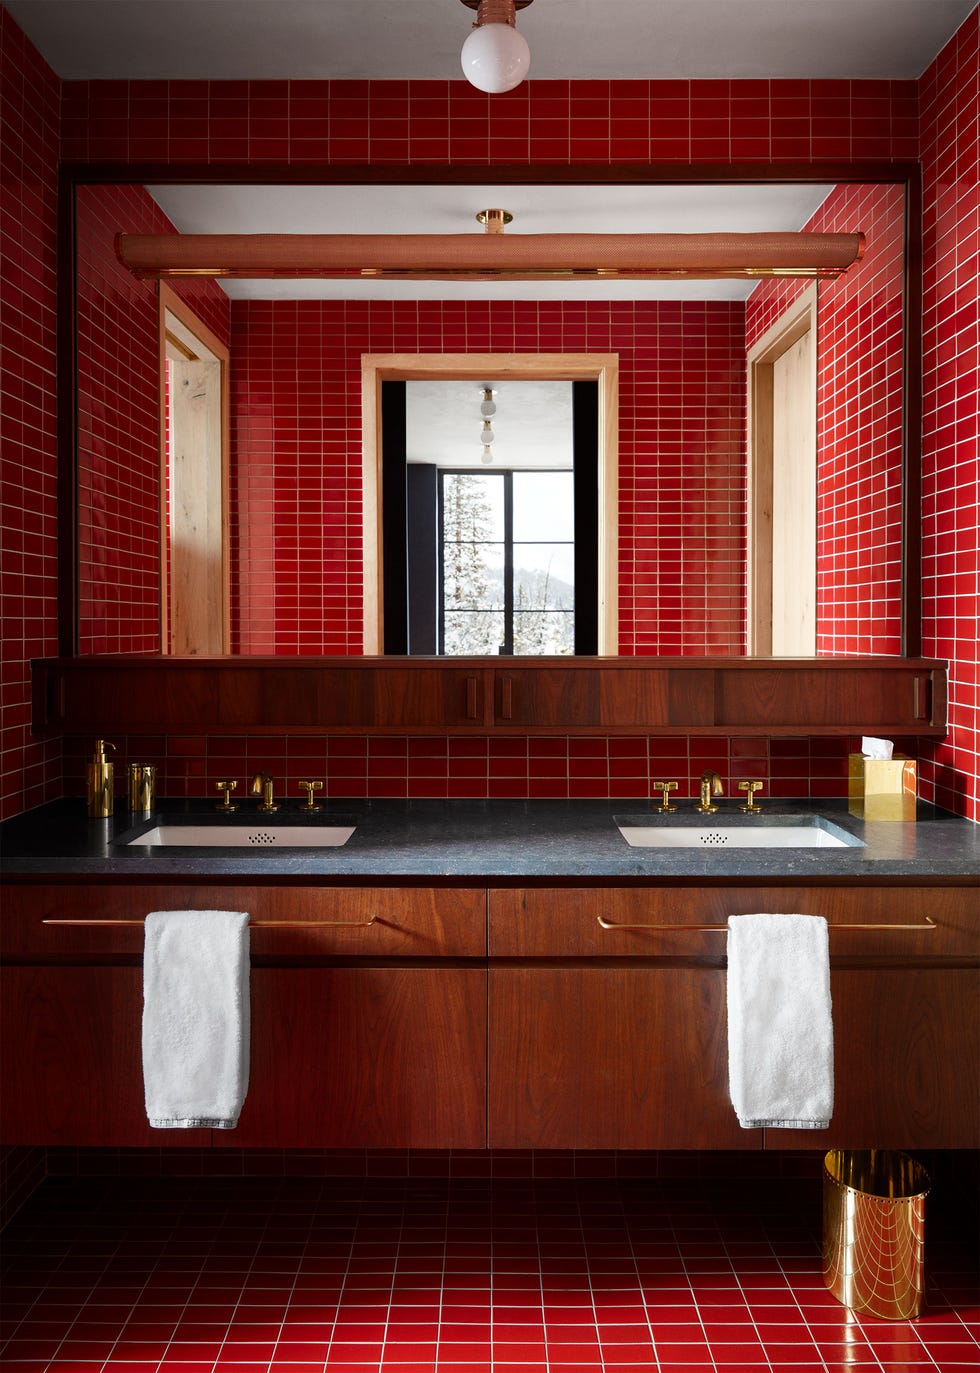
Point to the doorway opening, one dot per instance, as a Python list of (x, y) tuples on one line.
[(194, 425), (411, 541), (782, 453)]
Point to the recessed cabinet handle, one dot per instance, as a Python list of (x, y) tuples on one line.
[(927, 924), (922, 698), (471, 701), (506, 698), (252, 924)]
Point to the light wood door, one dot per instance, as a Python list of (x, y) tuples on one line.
[(794, 502), (782, 429)]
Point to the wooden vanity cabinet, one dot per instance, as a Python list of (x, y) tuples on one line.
[(616, 1036), (599, 1022), (368, 1032)]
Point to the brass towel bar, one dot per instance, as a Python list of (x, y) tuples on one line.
[(252, 924), (927, 924)]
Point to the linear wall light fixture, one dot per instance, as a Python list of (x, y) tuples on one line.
[(491, 256), (495, 56)]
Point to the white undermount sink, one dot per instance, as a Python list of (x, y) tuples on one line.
[(776, 832), (250, 836)]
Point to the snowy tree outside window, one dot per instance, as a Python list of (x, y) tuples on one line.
[(507, 563)]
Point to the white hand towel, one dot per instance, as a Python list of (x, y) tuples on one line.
[(780, 1031), (195, 1018)]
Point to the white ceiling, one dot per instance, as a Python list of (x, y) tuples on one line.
[(532, 427), (321, 39), (451, 209)]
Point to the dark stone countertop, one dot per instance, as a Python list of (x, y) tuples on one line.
[(500, 840)]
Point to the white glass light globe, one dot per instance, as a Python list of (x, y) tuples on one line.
[(488, 407), (495, 58)]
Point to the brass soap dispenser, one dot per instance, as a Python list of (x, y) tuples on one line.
[(99, 783)]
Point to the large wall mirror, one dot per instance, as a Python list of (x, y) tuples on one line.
[(760, 443)]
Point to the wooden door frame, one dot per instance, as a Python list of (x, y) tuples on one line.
[(603, 368), (799, 318), (171, 303)]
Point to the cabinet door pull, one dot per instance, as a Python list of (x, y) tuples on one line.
[(471, 701), (506, 698), (922, 698), (926, 924), (252, 924)]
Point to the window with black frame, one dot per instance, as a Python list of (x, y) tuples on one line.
[(506, 562)]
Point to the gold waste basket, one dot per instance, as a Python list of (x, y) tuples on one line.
[(874, 1230)]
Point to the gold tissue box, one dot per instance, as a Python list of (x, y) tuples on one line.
[(881, 788)]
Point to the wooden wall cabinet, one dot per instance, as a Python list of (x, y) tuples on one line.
[(99, 696)]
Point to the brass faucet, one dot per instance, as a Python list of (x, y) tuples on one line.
[(262, 784), (710, 786)]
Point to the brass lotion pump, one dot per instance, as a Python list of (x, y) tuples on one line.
[(100, 783)]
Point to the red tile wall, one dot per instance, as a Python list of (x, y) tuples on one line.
[(296, 452), (118, 422), (446, 121), (950, 93), (860, 345), (480, 766), (30, 771)]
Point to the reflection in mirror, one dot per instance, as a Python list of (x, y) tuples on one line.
[(296, 553), (493, 488)]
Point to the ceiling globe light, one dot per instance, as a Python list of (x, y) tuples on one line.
[(495, 56)]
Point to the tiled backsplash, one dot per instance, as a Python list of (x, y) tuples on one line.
[(559, 766)]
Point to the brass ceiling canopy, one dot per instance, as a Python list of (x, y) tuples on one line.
[(492, 256), (494, 220)]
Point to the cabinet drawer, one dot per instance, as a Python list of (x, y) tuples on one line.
[(558, 922), (373, 922)]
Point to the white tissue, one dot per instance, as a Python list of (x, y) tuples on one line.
[(876, 748)]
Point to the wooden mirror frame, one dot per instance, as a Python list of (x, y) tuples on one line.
[(907, 174)]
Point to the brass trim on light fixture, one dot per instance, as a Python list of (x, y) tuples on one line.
[(475, 4), (492, 256), (494, 220)]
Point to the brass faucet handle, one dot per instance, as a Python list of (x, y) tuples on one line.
[(750, 788), (226, 807), (665, 808), (310, 788)]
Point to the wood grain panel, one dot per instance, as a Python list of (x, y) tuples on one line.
[(409, 922), (562, 922), (366, 1058), (598, 1058), (70, 1060), (406, 696), (907, 1062)]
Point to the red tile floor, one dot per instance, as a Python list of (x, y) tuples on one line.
[(411, 1276)]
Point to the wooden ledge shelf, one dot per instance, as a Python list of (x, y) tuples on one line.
[(396, 695)]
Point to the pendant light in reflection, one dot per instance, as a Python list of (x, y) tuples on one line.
[(488, 408)]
